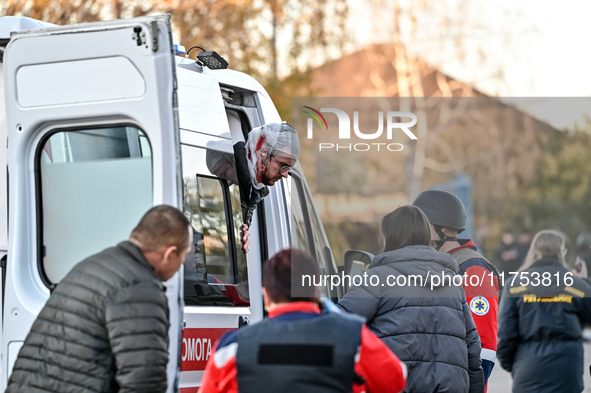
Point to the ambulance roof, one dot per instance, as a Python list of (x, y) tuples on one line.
[(8, 24)]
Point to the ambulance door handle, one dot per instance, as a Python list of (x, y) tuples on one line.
[(243, 321)]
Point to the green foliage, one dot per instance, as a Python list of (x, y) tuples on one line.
[(561, 199), (352, 236)]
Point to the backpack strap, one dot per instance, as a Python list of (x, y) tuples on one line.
[(465, 254)]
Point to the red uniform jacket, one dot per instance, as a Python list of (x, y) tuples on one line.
[(482, 295)]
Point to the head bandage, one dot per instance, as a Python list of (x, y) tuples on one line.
[(280, 139)]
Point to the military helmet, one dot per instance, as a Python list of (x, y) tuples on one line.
[(443, 209)]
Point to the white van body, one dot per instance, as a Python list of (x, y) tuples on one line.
[(102, 121)]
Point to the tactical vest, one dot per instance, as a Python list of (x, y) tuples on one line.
[(305, 355), (465, 254)]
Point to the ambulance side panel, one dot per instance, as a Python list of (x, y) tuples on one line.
[(3, 172), (221, 291), (3, 198)]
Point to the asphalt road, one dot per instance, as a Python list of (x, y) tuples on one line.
[(500, 380)]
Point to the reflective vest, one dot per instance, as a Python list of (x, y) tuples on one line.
[(304, 355)]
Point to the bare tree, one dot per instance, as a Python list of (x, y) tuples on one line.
[(441, 32), (269, 39)]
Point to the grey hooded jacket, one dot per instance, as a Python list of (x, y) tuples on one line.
[(426, 323), (104, 329)]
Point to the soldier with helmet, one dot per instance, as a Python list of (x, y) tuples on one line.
[(447, 216)]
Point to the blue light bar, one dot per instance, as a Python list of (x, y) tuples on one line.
[(179, 50)]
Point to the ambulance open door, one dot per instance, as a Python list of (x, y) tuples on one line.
[(93, 144)]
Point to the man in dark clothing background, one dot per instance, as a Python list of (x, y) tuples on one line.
[(105, 326), (507, 256)]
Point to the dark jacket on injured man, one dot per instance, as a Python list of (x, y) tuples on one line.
[(417, 310)]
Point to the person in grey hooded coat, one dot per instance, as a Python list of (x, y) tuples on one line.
[(416, 309)]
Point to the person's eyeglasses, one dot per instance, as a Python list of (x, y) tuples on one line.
[(282, 167)]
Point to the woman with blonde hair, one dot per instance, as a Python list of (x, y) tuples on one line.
[(540, 335)]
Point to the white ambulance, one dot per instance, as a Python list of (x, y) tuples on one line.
[(98, 123)]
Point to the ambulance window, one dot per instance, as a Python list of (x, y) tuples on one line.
[(95, 185), (300, 230), (216, 274), (306, 229), (319, 244)]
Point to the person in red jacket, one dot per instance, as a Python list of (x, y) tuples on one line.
[(447, 216), (300, 348)]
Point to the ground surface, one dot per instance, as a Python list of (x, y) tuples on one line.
[(500, 380)]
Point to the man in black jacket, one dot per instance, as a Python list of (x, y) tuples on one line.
[(105, 326)]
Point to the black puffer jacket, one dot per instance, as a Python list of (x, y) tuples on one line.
[(431, 330), (104, 329), (540, 337)]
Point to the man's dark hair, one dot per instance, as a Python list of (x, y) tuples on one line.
[(283, 273), (405, 226), (162, 226)]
